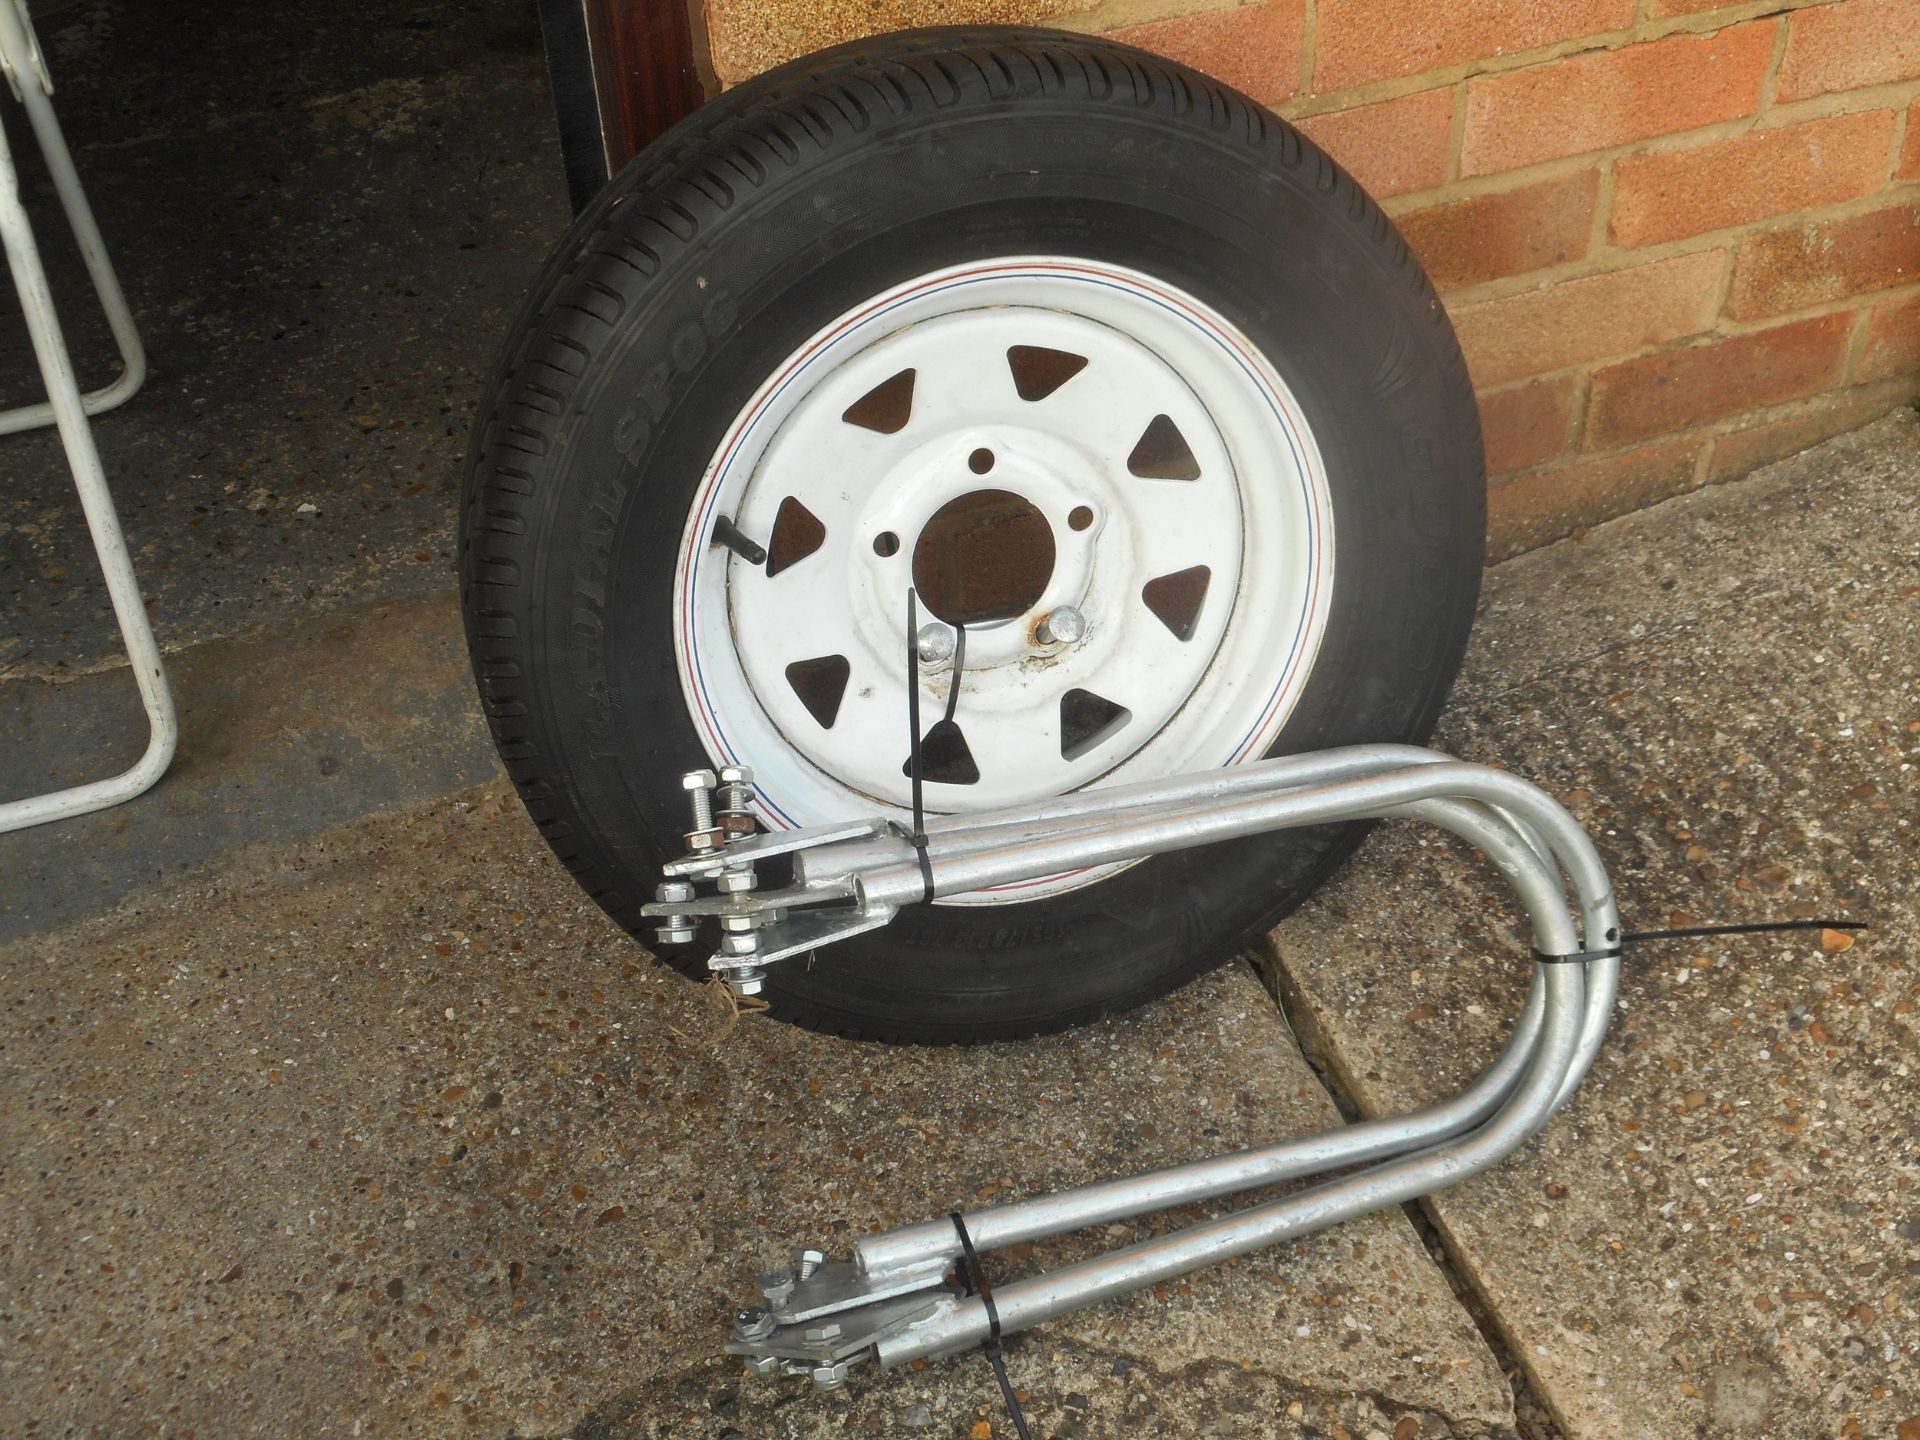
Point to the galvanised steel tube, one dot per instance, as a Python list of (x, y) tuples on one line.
[(1024, 1303), (918, 1245), (1134, 834), (978, 834), (1598, 919)]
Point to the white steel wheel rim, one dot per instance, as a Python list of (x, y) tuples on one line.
[(797, 668)]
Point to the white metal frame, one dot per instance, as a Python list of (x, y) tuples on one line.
[(67, 409)]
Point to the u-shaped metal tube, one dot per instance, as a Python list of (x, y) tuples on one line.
[(894, 1282)]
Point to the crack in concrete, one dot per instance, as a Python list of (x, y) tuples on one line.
[(1531, 1413), (634, 1412)]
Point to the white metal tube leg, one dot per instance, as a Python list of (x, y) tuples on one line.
[(18, 45), (70, 416)]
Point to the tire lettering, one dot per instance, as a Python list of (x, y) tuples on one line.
[(632, 432), (688, 347), (721, 313)]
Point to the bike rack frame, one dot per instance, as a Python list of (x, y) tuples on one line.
[(891, 1299)]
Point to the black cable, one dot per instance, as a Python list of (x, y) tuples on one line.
[(913, 710), (1685, 932), (974, 1277)]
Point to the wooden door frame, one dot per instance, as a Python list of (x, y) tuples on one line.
[(622, 72)]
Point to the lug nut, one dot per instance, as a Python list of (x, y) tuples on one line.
[(1065, 626), (935, 643)]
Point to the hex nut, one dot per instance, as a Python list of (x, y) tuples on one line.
[(754, 1323)]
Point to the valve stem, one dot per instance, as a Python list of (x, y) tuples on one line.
[(726, 533)]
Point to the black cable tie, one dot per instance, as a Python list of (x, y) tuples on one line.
[(1687, 932), (913, 722), (919, 843), (959, 664), (1578, 957), (973, 1277)]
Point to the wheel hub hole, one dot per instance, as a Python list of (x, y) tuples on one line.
[(986, 555)]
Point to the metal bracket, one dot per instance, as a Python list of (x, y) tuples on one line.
[(891, 1301)]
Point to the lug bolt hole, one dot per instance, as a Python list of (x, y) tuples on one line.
[(980, 461), (1080, 517), (886, 543)]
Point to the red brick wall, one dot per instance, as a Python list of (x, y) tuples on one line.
[(1679, 238)]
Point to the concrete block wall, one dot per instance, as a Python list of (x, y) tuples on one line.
[(1679, 238)]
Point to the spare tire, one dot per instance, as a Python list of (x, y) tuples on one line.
[(1078, 341)]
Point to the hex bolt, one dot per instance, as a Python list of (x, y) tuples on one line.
[(934, 644), (1065, 626), (763, 1365), (830, 1377), (674, 929), (699, 787), (808, 1261), (750, 981), (818, 1334), (777, 1285), (736, 801), (738, 783)]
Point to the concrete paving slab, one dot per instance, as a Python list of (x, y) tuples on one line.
[(392, 1133), (282, 737), (1720, 1236)]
